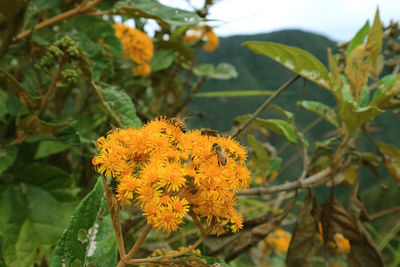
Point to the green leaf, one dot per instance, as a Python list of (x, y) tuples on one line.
[(278, 126), (3, 106), (223, 71), (162, 60), (103, 30), (391, 160), (47, 148), (287, 114), (153, 10), (31, 103), (334, 69), (384, 96), (355, 116), (374, 42), (32, 220), (233, 93), (275, 165), (295, 59), (8, 154), (358, 39), (89, 236), (321, 110), (261, 158), (121, 104), (363, 101)]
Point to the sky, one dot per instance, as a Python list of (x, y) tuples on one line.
[(338, 20)]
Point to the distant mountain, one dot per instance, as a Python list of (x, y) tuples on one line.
[(257, 72)]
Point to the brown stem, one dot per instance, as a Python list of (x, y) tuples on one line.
[(166, 258), (384, 212), (53, 83), (82, 8), (306, 182), (103, 104), (114, 212), (239, 130), (135, 247)]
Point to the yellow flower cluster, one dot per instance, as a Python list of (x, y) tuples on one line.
[(137, 46), (206, 34), (279, 240), (169, 172)]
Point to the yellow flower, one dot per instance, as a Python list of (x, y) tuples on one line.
[(166, 172), (166, 220), (137, 46), (279, 240), (212, 40), (142, 70), (342, 244), (180, 206)]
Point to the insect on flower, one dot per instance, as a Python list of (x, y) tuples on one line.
[(209, 132), (220, 153), (178, 123)]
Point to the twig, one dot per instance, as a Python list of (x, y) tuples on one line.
[(306, 182), (161, 259), (236, 132), (114, 212), (135, 247), (53, 83), (70, 13), (103, 104), (384, 212), (189, 97)]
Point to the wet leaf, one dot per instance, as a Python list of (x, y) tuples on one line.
[(154, 10), (295, 59), (278, 126), (89, 236), (302, 244), (391, 160), (322, 110)]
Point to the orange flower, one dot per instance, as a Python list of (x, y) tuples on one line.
[(279, 240), (137, 46), (212, 40), (166, 172)]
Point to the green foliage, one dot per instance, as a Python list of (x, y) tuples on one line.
[(295, 59), (88, 238)]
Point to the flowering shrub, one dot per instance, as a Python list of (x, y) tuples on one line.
[(169, 172), (137, 46)]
